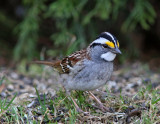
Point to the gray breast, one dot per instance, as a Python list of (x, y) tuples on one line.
[(90, 76)]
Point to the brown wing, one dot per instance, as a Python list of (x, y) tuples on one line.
[(64, 65)]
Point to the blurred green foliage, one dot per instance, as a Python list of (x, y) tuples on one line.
[(142, 13), (72, 24)]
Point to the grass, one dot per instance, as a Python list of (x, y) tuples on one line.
[(144, 107), (5, 104)]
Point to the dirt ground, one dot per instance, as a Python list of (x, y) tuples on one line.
[(126, 82)]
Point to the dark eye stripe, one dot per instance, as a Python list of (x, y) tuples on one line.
[(98, 44), (105, 46), (95, 44)]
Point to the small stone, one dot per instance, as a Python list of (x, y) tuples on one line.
[(10, 87), (135, 85), (24, 95), (50, 81), (21, 98), (137, 80), (111, 84), (28, 81), (3, 94), (14, 75), (31, 104), (129, 86), (40, 118), (21, 77), (147, 80), (32, 95), (154, 85), (127, 76), (57, 118), (21, 86)]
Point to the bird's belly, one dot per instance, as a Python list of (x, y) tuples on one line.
[(87, 86), (90, 78)]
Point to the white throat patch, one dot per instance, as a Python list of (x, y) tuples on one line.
[(109, 56)]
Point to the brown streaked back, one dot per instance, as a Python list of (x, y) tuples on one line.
[(64, 65)]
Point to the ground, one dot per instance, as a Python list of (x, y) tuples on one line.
[(35, 96)]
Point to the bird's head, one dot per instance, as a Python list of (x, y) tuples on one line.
[(105, 47)]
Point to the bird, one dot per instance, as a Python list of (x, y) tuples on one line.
[(90, 68)]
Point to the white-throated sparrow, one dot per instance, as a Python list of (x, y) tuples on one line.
[(90, 68)]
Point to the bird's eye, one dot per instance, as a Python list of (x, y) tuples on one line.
[(104, 46)]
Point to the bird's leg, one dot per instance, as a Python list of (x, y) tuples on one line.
[(102, 107), (77, 107), (75, 104)]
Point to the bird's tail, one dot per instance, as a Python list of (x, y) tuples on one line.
[(55, 64), (52, 64)]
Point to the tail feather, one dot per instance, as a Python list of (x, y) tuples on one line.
[(55, 64), (45, 63)]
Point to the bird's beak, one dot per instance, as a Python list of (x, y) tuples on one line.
[(117, 51)]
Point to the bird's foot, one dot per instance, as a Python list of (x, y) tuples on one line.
[(104, 109), (81, 111), (100, 105)]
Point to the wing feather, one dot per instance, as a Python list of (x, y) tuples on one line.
[(64, 65)]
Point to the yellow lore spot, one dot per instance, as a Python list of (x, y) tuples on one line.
[(110, 44)]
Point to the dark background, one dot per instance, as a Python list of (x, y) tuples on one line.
[(43, 29)]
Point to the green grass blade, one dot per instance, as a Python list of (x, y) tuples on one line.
[(42, 105), (155, 101), (10, 102), (1, 81)]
